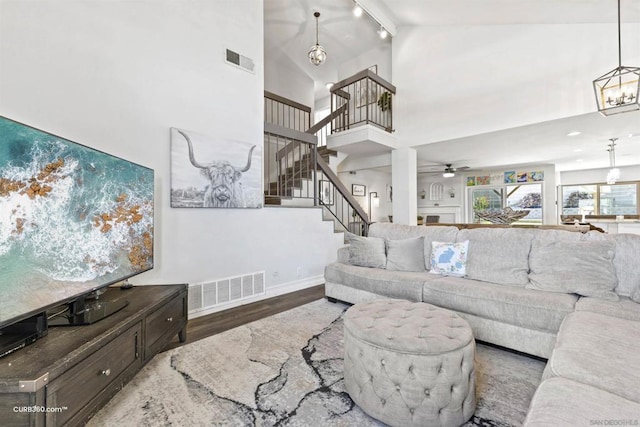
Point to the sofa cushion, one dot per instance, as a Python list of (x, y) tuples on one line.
[(498, 255), (367, 252), (624, 308), (627, 253), (556, 235), (598, 350), (343, 254), (439, 233), (581, 267), (562, 402), (405, 254), (392, 284), (449, 258), (508, 304)]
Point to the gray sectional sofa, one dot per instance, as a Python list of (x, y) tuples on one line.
[(570, 297)]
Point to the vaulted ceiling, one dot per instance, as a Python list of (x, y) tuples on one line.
[(290, 30)]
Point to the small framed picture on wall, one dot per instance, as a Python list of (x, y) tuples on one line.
[(326, 192), (358, 190)]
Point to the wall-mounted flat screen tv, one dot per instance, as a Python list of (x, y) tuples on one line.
[(72, 220)]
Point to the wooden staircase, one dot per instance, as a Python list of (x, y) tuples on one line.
[(299, 174), (296, 164)]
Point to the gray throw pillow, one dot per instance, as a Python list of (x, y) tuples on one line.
[(367, 252), (405, 254), (581, 267), (498, 255)]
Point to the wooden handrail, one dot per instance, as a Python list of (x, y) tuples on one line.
[(295, 136), (337, 183), (287, 101), (342, 94), (362, 75), (322, 123)]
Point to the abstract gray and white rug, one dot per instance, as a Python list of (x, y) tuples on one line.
[(286, 370)]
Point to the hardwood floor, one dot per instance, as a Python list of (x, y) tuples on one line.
[(211, 324)]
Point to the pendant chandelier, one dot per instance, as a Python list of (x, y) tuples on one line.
[(317, 54), (618, 90), (614, 173)]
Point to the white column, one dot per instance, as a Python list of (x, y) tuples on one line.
[(404, 178)]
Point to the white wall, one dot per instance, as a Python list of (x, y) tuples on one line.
[(117, 75), (284, 78), (592, 176), (376, 182), (379, 56), (456, 182)]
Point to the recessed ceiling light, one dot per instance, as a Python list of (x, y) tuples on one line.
[(329, 85), (577, 150), (574, 133), (357, 11)]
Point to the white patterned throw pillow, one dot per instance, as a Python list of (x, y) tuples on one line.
[(449, 259)]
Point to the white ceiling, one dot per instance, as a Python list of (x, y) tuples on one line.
[(289, 29)]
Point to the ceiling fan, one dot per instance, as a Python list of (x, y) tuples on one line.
[(448, 172)]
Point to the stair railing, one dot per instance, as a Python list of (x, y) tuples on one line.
[(294, 170), (339, 202), (290, 167), (286, 112), (323, 128)]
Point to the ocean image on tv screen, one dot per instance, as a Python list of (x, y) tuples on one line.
[(72, 219)]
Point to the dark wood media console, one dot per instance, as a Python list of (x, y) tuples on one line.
[(66, 376)]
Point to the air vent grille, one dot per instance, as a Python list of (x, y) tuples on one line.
[(211, 294), (240, 61)]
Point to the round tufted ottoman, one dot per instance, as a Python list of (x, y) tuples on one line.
[(409, 363)]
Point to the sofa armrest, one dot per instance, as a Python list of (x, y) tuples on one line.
[(343, 254)]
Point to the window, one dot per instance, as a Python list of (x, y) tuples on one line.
[(484, 199), (619, 199), (526, 197), (600, 199), (518, 197), (575, 197)]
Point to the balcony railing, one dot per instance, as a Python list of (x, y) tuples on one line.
[(365, 98)]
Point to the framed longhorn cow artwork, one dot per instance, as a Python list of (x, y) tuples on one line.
[(208, 172)]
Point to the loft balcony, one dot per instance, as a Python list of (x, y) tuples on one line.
[(362, 106)]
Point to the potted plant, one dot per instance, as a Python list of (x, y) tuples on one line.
[(384, 102), (420, 220)]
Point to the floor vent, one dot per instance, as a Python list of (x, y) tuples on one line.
[(238, 60), (223, 291)]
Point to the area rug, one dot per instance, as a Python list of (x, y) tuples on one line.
[(286, 370)]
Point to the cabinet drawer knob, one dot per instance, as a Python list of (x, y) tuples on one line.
[(106, 372), (169, 319)]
